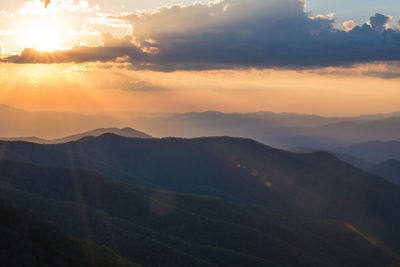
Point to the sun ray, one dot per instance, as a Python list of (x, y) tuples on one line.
[(43, 35)]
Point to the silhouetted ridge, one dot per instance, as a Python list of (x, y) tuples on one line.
[(127, 132)]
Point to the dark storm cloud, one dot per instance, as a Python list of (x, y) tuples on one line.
[(240, 34), (379, 22)]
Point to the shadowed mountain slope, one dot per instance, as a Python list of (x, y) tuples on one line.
[(352, 160), (164, 228), (389, 169), (317, 185), (28, 240)]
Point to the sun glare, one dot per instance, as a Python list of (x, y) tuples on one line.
[(43, 36)]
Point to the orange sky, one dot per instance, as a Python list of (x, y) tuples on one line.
[(103, 87), (116, 86)]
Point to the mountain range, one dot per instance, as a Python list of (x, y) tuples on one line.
[(203, 201), (382, 158), (283, 130), (374, 151), (209, 201), (126, 132)]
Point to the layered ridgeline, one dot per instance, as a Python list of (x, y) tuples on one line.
[(27, 240), (381, 158), (284, 130), (312, 209), (373, 151), (126, 132)]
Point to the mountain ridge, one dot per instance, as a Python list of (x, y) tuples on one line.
[(375, 151), (284, 130), (126, 132), (316, 185), (389, 169)]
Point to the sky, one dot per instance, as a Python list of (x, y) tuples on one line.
[(314, 56)]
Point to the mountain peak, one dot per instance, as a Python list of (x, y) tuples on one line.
[(7, 108)]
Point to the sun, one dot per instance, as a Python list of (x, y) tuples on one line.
[(43, 36)]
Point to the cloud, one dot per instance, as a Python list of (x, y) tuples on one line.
[(53, 7), (234, 34), (113, 49), (382, 70), (349, 25), (133, 85), (379, 22), (382, 74), (46, 3)]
